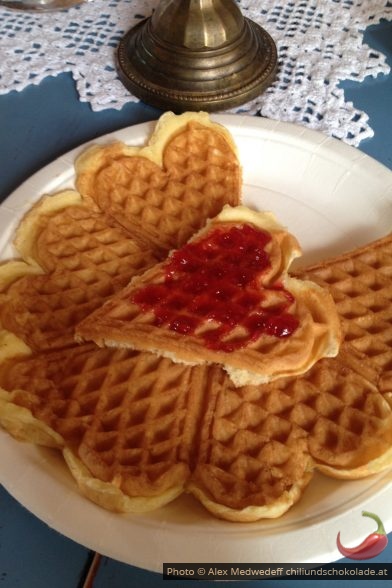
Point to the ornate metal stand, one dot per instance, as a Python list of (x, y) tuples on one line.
[(197, 55)]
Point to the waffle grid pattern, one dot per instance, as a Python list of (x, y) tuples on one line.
[(87, 259), (225, 297), (146, 425), (270, 437), (128, 424), (165, 205), (362, 289)]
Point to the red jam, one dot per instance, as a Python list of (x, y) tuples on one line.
[(216, 281)]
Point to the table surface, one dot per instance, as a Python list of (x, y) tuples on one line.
[(38, 125)]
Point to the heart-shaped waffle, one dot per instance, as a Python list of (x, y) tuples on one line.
[(86, 253), (163, 193), (260, 445), (86, 259), (75, 255), (126, 421), (136, 429), (226, 297)]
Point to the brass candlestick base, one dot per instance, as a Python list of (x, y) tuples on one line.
[(197, 55)]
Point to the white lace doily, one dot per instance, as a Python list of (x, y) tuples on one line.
[(320, 43)]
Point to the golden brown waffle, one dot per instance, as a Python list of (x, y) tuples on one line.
[(78, 254), (226, 258), (129, 418), (360, 283), (87, 259), (165, 191), (342, 407), (136, 429), (253, 462), (74, 255), (260, 445)]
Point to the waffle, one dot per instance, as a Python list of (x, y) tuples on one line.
[(125, 421), (135, 429), (73, 255), (252, 463), (260, 446), (360, 283), (78, 254), (74, 259), (225, 298), (165, 191)]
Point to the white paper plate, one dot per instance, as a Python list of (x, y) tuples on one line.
[(333, 198)]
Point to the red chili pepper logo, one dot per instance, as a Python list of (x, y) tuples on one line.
[(371, 546)]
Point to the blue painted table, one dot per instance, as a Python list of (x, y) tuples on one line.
[(37, 125)]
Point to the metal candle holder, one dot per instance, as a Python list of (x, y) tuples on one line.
[(197, 55)]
